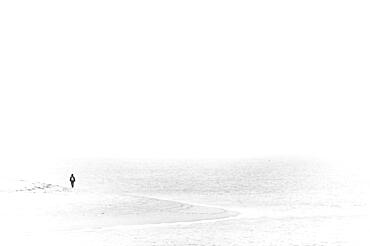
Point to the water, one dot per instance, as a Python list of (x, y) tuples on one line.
[(280, 203)]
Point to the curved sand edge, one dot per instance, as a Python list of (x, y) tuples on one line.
[(195, 212), (57, 208)]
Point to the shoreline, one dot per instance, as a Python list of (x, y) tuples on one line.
[(58, 208)]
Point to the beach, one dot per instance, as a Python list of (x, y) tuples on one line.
[(41, 212), (146, 203)]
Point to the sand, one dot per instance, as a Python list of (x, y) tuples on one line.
[(42, 213)]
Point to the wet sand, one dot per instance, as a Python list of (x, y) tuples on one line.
[(36, 211)]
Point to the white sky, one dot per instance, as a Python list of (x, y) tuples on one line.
[(183, 79)]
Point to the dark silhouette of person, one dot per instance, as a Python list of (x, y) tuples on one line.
[(72, 179)]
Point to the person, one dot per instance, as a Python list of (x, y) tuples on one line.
[(72, 179)]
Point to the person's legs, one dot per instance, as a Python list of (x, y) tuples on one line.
[(72, 184)]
